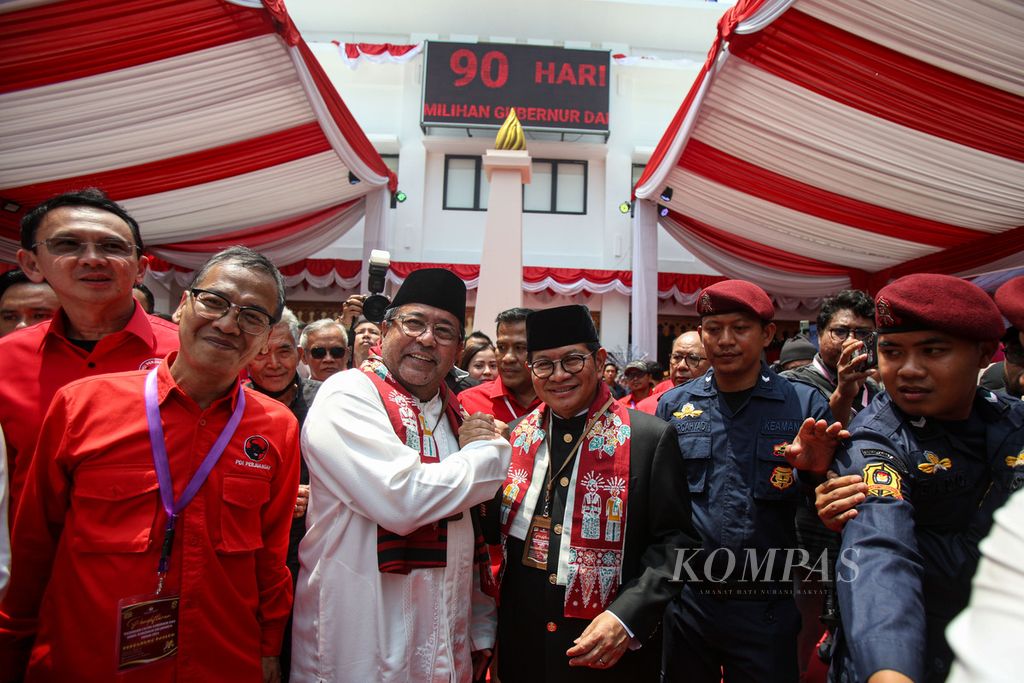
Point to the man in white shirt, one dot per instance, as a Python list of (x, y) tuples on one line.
[(391, 586)]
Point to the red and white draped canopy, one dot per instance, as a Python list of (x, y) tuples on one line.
[(324, 273), (835, 143), (210, 121)]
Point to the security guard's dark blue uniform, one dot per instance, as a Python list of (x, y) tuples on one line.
[(908, 556), (744, 496)]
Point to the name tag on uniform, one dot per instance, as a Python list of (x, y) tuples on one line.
[(147, 630), (538, 540)]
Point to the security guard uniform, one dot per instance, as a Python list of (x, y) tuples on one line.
[(744, 496), (908, 556)]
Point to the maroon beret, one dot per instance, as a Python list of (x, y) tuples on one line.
[(1010, 300), (735, 296), (926, 301)]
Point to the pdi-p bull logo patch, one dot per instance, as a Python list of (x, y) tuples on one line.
[(256, 448)]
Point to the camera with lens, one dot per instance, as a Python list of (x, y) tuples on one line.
[(376, 303)]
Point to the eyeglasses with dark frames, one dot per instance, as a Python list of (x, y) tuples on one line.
[(572, 363), (841, 332), (213, 306), (691, 359), (320, 352), (72, 246)]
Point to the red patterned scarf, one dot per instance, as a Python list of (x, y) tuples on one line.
[(590, 567), (427, 546)]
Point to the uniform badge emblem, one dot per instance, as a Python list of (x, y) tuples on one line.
[(782, 478), (779, 449), (884, 314), (705, 304), (687, 411), (934, 464), (256, 448), (149, 363), (1015, 460), (883, 480)]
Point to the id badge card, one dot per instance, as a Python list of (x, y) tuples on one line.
[(538, 539), (147, 630)]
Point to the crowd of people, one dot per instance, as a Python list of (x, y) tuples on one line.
[(221, 493)]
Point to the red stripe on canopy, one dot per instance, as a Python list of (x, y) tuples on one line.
[(882, 82), (204, 166), (41, 46), (257, 236), (761, 253), (730, 171)]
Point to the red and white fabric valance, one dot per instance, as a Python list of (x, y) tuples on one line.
[(383, 53), (377, 53), (200, 116), (345, 274)]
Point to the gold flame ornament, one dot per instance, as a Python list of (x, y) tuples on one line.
[(510, 135)]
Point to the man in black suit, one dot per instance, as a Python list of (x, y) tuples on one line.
[(593, 513)]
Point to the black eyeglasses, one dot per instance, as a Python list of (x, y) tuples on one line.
[(320, 352), (859, 333), (213, 306), (72, 246), (572, 364), (691, 359)]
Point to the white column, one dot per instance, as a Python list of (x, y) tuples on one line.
[(645, 278), (501, 264)]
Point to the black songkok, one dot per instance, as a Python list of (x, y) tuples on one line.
[(435, 287), (551, 328)]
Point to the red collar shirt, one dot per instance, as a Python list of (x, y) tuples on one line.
[(495, 400), (90, 530), (650, 404), (38, 360)]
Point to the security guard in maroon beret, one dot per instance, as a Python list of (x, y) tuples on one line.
[(1010, 300), (736, 618), (938, 455)]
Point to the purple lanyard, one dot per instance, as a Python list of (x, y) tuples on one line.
[(163, 468)]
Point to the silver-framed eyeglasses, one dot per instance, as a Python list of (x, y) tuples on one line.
[(72, 246), (841, 332), (572, 363), (412, 326), (213, 306)]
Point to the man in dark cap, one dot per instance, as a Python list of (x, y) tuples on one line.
[(797, 352), (592, 517), (736, 617), (392, 572), (938, 456), (639, 380)]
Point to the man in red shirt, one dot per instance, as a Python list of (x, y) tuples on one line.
[(90, 251), (687, 361), (511, 395), (639, 380), (150, 543), (23, 302)]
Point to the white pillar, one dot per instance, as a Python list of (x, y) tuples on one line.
[(501, 264), (645, 278)]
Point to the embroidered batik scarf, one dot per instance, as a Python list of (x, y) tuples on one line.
[(590, 565)]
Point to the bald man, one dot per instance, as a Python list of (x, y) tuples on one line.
[(687, 361)]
